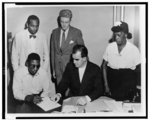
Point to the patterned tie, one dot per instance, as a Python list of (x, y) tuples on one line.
[(63, 39), (32, 35)]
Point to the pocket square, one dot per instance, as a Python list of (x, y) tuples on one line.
[(71, 42)]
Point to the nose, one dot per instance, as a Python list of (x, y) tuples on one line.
[(35, 69)]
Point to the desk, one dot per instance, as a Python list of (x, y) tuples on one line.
[(102, 104), (32, 108)]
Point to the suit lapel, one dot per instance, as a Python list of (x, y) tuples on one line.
[(85, 75), (76, 76)]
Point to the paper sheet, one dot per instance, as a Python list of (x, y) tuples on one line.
[(69, 109), (47, 104), (115, 106)]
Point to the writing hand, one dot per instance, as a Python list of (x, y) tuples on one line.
[(37, 99)]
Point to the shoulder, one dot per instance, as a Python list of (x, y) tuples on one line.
[(93, 66), (74, 29), (111, 46), (42, 72), (21, 71), (55, 30), (20, 33), (41, 34), (131, 45)]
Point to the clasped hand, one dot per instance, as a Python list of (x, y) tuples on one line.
[(82, 101), (55, 97)]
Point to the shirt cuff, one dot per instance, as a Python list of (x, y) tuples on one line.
[(59, 94), (88, 98)]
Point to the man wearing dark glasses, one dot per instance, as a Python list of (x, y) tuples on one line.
[(31, 83)]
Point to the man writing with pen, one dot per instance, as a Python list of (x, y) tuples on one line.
[(31, 82)]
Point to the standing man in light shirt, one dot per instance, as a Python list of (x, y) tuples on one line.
[(82, 77), (28, 41), (31, 82), (121, 65), (62, 41)]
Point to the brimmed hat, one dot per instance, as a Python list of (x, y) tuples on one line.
[(65, 13), (122, 26)]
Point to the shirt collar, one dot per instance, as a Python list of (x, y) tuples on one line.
[(84, 66), (28, 33), (66, 31)]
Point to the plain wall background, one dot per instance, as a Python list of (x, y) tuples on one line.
[(95, 22)]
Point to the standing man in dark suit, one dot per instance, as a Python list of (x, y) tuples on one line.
[(62, 41), (82, 77)]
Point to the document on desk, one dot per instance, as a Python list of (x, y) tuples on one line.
[(115, 106), (47, 104)]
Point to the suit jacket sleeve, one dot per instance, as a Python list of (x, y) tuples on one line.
[(52, 52), (79, 38), (98, 86), (17, 84), (65, 82)]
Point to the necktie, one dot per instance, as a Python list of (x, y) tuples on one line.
[(63, 39), (32, 35)]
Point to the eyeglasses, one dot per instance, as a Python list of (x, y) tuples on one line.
[(33, 66)]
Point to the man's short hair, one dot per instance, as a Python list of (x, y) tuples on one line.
[(82, 49), (31, 17), (32, 56), (65, 13)]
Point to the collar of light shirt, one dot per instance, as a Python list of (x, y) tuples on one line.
[(34, 36), (27, 72), (82, 70), (81, 73)]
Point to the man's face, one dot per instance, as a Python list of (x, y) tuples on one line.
[(120, 37), (33, 67), (65, 23), (78, 60), (33, 26)]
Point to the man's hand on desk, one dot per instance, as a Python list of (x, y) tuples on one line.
[(56, 97), (82, 101), (37, 99), (33, 98)]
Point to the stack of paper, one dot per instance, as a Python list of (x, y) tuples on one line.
[(47, 104), (97, 106), (69, 109)]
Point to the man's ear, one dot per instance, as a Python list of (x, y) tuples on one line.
[(84, 58), (26, 25), (26, 63)]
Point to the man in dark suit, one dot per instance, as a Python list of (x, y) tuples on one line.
[(62, 41), (82, 77)]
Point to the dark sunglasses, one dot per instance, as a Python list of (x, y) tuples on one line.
[(33, 66)]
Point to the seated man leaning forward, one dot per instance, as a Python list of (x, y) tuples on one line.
[(31, 83), (82, 77)]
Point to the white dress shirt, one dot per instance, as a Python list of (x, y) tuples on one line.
[(25, 84), (129, 57), (23, 45)]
